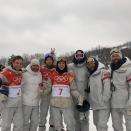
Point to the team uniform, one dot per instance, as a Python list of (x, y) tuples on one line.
[(45, 101), (62, 88), (13, 105)]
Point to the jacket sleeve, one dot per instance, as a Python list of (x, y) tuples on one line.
[(128, 78), (106, 85), (47, 87), (70, 67), (3, 80), (75, 93)]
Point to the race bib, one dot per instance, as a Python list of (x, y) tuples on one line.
[(14, 91), (61, 90)]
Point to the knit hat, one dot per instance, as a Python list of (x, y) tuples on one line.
[(49, 55), (34, 62), (61, 58), (116, 51)]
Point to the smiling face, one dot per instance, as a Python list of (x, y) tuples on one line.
[(61, 65), (49, 61), (91, 65), (35, 68), (17, 64), (116, 55), (115, 58)]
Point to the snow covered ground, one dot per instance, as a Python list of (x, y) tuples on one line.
[(92, 127)]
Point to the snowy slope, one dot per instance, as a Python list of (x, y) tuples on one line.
[(92, 127)]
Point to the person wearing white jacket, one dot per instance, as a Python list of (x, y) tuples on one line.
[(121, 90), (31, 95), (80, 72), (99, 84)]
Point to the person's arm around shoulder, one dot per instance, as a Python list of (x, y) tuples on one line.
[(74, 91), (106, 83), (128, 79)]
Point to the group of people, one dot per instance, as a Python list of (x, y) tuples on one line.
[(63, 90)]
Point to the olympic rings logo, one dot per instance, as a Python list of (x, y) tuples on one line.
[(61, 78)]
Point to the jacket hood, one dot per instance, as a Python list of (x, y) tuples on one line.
[(100, 67), (28, 68), (11, 69), (125, 66)]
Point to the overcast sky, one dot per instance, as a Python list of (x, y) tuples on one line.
[(34, 26)]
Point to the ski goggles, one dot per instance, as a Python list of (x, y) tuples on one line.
[(115, 50), (79, 56)]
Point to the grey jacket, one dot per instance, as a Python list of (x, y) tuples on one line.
[(81, 77), (100, 93), (121, 79)]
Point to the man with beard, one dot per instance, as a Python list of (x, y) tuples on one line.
[(12, 112), (121, 90), (62, 88), (45, 98), (79, 69), (99, 83)]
